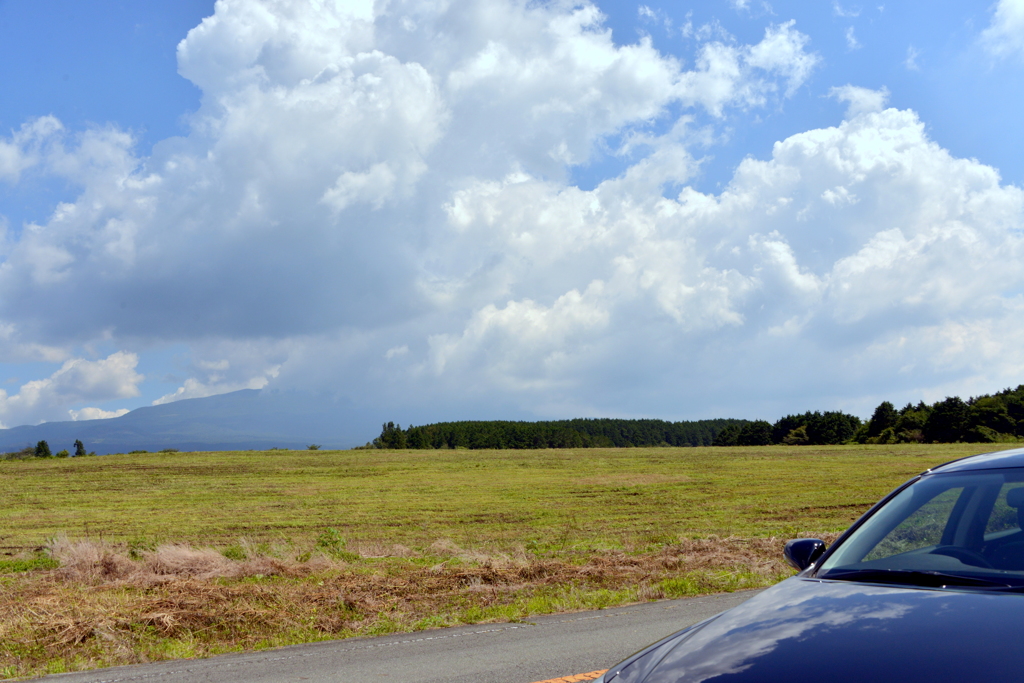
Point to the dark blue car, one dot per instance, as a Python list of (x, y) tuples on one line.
[(927, 586)]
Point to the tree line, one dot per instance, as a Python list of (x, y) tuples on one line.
[(578, 433), (810, 428), (989, 418)]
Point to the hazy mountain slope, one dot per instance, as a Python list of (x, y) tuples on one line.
[(238, 420)]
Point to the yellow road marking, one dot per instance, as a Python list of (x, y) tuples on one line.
[(575, 678)]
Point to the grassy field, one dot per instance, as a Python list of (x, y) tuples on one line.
[(549, 499), (127, 558)]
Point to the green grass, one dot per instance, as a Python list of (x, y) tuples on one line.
[(27, 564), (484, 536), (550, 501)]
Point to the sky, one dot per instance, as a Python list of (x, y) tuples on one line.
[(487, 209)]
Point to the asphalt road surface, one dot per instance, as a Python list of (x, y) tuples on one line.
[(544, 648)]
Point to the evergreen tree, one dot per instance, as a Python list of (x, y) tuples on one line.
[(79, 448), (885, 416), (728, 436), (391, 436), (43, 450), (756, 433)]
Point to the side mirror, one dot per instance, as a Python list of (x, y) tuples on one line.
[(803, 552)]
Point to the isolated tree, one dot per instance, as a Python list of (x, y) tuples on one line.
[(43, 450), (79, 448)]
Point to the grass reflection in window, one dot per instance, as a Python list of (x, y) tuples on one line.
[(921, 529)]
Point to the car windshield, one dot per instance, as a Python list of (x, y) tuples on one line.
[(963, 529)]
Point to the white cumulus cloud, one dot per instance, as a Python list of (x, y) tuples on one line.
[(860, 100), (96, 414), (77, 381), (378, 202), (26, 146)]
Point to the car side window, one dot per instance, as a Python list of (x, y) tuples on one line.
[(921, 529), (1003, 517)]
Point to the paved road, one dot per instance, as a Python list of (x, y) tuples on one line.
[(547, 647)]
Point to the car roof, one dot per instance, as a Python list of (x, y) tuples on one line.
[(984, 461)]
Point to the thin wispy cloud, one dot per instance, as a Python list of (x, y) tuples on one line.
[(654, 16), (851, 39), (911, 61), (846, 12)]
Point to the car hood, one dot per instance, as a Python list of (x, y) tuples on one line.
[(844, 631)]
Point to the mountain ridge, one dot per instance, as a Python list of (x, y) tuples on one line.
[(239, 420)]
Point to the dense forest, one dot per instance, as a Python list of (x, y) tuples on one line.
[(579, 433), (797, 430), (983, 419)]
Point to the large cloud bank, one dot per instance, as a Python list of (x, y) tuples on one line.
[(379, 203)]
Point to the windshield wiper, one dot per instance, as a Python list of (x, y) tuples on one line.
[(925, 578)]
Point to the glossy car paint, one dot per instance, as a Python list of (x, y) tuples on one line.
[(854, 632), (807, 627)]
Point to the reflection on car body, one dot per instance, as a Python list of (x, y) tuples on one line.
[(927, 586)]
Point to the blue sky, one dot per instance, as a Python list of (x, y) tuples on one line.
[(498, 209)]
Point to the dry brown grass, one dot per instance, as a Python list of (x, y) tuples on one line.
[(381, 549), (102, 607), (90, 561)]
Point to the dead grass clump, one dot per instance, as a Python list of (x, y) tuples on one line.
[(88, 561), (265, 565), (444, 546), (182, 561), (91, 561), (315, 564), (759, 555), (381, 549), (518, 558)]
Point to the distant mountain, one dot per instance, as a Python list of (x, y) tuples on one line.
[(240, 420)]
